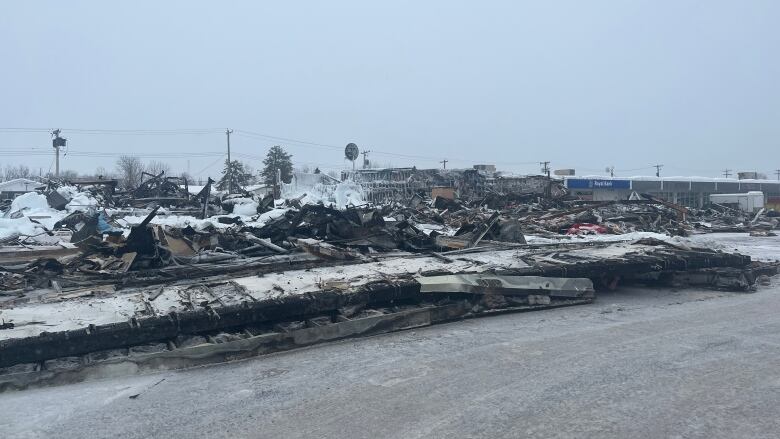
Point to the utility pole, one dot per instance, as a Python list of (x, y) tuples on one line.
[(611, 170), (726, 173), (444, 163), (777, 172), (365, 160), (57, 142), (545, 168), (229, 164), (658, 170)]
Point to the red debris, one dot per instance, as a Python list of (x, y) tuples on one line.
[(586, 229)]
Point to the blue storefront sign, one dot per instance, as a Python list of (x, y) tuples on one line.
[(591, 183)]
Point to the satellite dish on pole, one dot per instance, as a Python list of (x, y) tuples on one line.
[(351, 152)]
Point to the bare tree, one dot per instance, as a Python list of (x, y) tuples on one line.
[(68, 174), (185, 176), (155, 168), (20, 171), (102, 172), (129, 170)]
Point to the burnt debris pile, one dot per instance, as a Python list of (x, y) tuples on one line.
[(168, 266)]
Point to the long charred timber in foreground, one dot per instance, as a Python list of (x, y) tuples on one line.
[(246, 342), (301, 307), (482, 295)]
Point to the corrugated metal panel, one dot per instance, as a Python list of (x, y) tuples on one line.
[(728, 187), (676, 186), (703, 186), (647, 186), (744, 187)]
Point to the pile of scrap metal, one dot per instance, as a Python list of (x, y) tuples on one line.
[(156, 190), (312, 234), (719, 219), (563, 215), (152, 252), (370, 230), (102, 189), (614, 217), (103, 251), (362, 229), (231, 201)]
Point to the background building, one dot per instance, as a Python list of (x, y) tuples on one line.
[(13, 188), (687, 191)]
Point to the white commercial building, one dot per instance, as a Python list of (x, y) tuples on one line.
[(687, 191), (13, 188)]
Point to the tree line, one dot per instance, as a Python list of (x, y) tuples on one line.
[(129, 170)]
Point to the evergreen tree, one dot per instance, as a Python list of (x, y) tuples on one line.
[(277, 158), (236, 171), (317, 170)]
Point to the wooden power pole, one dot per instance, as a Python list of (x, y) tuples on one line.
[(229, 163)]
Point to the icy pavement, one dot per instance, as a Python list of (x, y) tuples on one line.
[(641, 363), (637, 363)]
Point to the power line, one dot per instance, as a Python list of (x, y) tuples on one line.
[(261, 158), (246, 133), (229, 163), (18, 150), (287, 139), (634, 169), (242, 133), (208, 166), (122, 132)]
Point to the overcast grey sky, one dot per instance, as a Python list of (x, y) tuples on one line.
[(583, 84)]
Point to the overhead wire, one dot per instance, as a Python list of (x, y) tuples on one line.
[(36, 151), (251, 134), (174, 131), (210, 165), (290, 142)]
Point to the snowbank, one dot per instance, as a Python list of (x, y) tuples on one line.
[(81, 202), (245, 209), (31, 205), (182, 221), (29, 201), (348, 193), (10, 228), (318, 188)]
